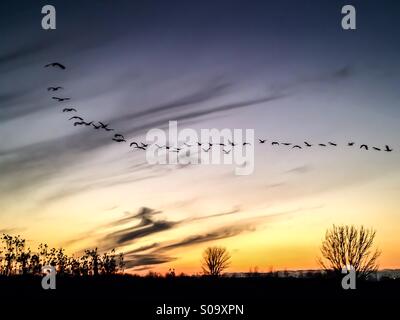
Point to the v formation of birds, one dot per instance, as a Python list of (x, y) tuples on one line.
[(205, 146)]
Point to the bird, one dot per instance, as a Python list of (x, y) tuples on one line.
[(54, 88), (388, 149), (139, 147), (117, 135), (210, 144), (199, 144), (262, 140), (275, 143), (76, 117), (69, 110), (119, 140), (61, 99), (296, 146), (108, 129), (221, 144), (350, 144), (144, 144), (55, 64), (286, 143), (322, 144), (231, 143), (87, 123), (307, 144), (134, 144), (332, 144), (79, 123), (364, 146), (104, 126), (96, 127), (377, 149), (206, 150), (187, 145), (226, 151), (246, 143)]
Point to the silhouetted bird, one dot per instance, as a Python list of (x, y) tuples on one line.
[(231, 143), (296, 146), (199, 144), (246, 143), (286, 143), (307, 144), (117, 135), (139, 147), (221, 144), (144, 144), (76, 117), (119, 140), (69, 110), (87, 123), (322, 145), (275, 143), (96, 127), (108, 129), (262, 140), (54, 88), (388, 149), (206, 150), (364, 146), (55, 64), (79, 123), (61, 99), (104, 126), (226, 151), (134, 144), (350, 144), (377, 149), (332, 144)]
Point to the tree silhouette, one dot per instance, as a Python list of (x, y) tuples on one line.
[(215, 260), (15, 259), (345, 246)]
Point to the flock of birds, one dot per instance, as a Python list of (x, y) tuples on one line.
[(119, 138)]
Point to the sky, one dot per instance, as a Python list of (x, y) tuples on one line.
[(283, 68)]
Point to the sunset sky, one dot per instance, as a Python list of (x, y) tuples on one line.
[(283, 68)]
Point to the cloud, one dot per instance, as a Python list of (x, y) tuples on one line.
[(300, 169), (136, 260)]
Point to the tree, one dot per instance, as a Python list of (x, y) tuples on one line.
[(349, 246), (215, 260)]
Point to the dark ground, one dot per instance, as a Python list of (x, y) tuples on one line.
[(142, 295)]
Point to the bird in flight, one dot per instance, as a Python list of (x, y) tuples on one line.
[(61, 99), (262, 140), (377, 149), (54, 88), (286, 143), (350, 144), (206, 150), (231, 143), (246, 143), (187, 145), (55, 64), (76, 117), (119, 140), (134, 144), (108, 129), (388, 149), (364, 146), (117, 135), (104, 126), (139, 147), (275, 143), (332, 144), (145, 145), (79, 123), (69, 110), (307, 144), (226, 151), (87, 123), (96, 127), (322, 144), (296, 146)]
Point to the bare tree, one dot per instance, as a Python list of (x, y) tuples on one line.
[(215, 260), (349, 246)]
